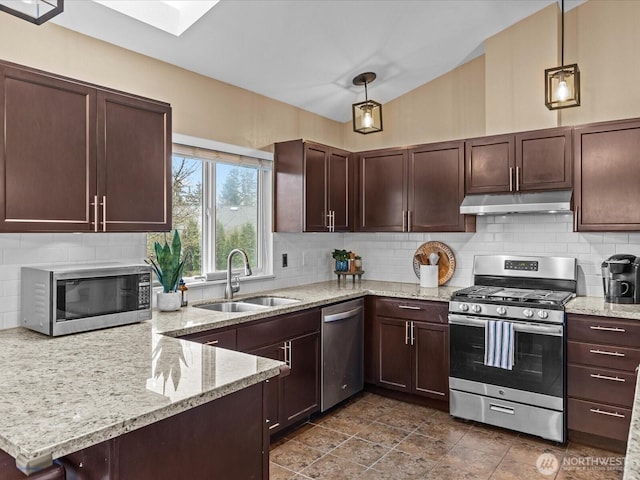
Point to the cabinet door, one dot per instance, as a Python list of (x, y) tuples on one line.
[(315, 188), (47, 153), (544, 160), (134, 161), (436, 188), (301, 388), (489, 164), (394, 354), (273, 386), (606, 190), (382, 195), (339, 190), (431, 360)]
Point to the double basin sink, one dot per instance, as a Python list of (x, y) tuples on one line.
[(248, 304)]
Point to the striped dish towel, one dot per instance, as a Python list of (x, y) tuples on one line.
[(498, 344)]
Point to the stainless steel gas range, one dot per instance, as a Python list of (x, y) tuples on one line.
[(507, 344)]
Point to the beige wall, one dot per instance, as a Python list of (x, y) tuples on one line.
[(202, 107), (501, 91)]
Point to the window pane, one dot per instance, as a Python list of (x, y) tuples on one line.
[(187, 213), (236, 213)]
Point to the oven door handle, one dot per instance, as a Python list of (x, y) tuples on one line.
[(467, 321)]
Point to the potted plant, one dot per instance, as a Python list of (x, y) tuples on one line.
[(342, 259), (168, 267), (358, 262)]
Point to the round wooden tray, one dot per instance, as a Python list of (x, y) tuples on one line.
[(446, 264)]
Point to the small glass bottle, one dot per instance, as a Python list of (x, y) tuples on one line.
[(182, 288)]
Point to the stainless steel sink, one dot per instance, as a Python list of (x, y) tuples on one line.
[(232, 307), (270, 301)]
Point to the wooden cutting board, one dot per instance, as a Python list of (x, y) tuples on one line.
[(446, 264)]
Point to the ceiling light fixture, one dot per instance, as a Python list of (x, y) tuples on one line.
[(562, 84), (367, 115), (34, 11)]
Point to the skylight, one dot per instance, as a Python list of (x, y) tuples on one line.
[(174, 17)]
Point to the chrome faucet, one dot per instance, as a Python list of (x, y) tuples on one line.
[(235, 288)]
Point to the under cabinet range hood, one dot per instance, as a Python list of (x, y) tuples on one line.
[(535, 202)]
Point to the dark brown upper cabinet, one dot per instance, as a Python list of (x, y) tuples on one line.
[(382, 194), (436, 188), (607, 187), (523, 162), (412, 190), (75, 157), (313, 190)]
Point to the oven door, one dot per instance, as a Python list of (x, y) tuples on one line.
[(538, 358)]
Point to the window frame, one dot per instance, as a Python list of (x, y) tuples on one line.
[(210, 153)]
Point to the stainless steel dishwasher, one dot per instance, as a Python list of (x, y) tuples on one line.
[(342, 352)]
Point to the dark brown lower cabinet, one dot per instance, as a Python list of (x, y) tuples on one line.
[(601, 377), (223, 439), (413, 347), (294, 339)]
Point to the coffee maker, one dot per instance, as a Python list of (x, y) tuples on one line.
[(621, 279)]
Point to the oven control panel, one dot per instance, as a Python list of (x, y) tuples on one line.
[(525, 265)]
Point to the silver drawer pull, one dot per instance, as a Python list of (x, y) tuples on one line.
[(603, 412), (607, 329), (501, 409), (409, 307), (212, 342), (602, 352), (605, 377)]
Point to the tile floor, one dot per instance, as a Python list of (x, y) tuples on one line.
[(373, 437)]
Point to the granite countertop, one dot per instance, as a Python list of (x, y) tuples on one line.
[(60, 395), (66, 393)]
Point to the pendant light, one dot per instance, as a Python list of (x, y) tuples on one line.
[(367, 115), (34, 11), (562, 84)]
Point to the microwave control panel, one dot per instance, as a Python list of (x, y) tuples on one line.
[(144, 291)]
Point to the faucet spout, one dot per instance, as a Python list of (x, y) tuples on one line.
[(231, 289)]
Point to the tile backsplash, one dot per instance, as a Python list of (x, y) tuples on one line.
[(385, 256)]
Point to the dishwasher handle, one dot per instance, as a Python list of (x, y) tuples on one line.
[(342, 315)]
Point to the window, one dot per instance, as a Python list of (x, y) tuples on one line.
[(221, 201)]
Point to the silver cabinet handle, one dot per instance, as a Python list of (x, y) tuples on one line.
[(604, 412), (95, 213), (212, 342), (406, 333), (104, 213), (413, 338), (290, 355), (606, 377), (408, 220), (511, 179), (404, 225), (607, 329), (502, 409), (602, 352), (409, 307), (517, 179)]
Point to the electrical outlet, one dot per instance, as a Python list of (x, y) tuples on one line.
[(284, 260)]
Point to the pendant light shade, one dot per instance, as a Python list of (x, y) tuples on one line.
[(562, 84), (367, 115), (34, 11)]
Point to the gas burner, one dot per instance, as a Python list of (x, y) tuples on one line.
[(514, 295)]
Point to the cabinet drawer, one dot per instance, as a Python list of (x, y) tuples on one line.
[(423, 311), (607, 356), (603, 330), (606, 386), (278, 329), (598, 419), (217, 338)]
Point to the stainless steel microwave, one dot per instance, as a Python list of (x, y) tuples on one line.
[(62, 299)]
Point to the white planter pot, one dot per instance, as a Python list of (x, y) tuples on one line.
[(168, 302)]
